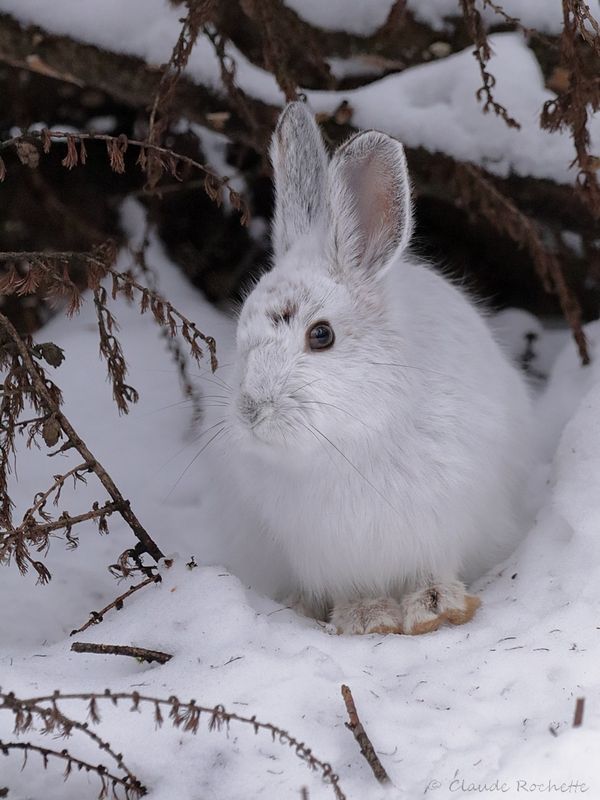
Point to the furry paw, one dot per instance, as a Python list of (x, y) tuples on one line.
[(377, 615), (426, 609)]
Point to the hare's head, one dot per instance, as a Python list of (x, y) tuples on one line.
[(314, 331)]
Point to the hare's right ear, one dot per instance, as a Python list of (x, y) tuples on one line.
[(371, 215), (300, 173)]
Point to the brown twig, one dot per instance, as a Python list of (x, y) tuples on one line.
[(510, 20), (276, 53), (198, 13), (34, 530), (573, 107), (75, 441), (366, 748), (97, 616), (132, 791), (579, 708), (237, 96), (482, 54), (121, 650)]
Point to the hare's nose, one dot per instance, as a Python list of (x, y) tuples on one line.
[(251, 408)]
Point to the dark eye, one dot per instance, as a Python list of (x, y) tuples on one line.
[(321, 336)]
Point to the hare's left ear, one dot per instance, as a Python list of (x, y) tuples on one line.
[(300, 174), (371, 215)]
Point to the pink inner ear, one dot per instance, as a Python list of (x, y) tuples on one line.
[(377, 205), (370, 197)]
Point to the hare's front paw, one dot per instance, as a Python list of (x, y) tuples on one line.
[(377, 615), (426, 609)]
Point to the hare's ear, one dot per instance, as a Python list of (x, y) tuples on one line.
[(371, 215), (300, 173)]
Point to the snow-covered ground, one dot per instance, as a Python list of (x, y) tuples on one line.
[(490, 701)]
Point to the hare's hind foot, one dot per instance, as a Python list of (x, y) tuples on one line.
[(428, 608), (372, 615)]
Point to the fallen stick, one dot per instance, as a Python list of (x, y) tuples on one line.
[(578, 717), (366, 748), (121, 650)]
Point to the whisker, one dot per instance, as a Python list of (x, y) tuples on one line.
[(304, 385), (355, 468), (189, 444), (186, 401), (213, 378), (217, 381), (198, 454), (338, 408), (325, 450), (408, 366)]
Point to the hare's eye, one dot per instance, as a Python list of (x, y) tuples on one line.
[(320, 336)]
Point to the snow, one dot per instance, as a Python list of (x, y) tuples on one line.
[(447, 711), (431, 105), (352, 16), (434, 106)]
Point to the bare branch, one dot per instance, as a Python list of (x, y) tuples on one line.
[(132, 792), (46, 397), (164, 159), (183, 715), (483, 54)]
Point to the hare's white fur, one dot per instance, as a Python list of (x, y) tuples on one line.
[(394, 460)]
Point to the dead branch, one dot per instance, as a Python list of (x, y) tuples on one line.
[(359, 733), (164, 160), (573, 107), (107, 779), (56, 723), (99, 264), (516, 22), (198, 13), (482, 54), (97, 616), (75, 441), (41, 498), (183, 715), (239, 100), (121, 650), (276, 53), (37, 533)]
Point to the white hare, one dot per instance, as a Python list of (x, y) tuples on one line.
[(382, 435)]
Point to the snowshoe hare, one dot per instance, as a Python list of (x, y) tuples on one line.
[(380, 431)]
